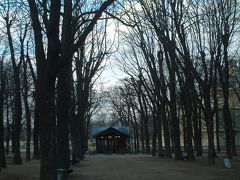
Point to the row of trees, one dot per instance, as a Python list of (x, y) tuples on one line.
[(178, 56), (53, 52)]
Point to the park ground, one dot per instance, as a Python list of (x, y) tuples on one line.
[(133, 167)]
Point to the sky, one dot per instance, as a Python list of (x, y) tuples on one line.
[(111, 74)]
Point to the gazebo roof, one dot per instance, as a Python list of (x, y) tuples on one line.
[(99, 130)]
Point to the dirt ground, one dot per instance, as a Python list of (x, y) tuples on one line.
[(133, 167)]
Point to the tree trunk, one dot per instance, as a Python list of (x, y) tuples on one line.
[(136, 130), (224, 79), (2, 151), (166, 132), (190, 151), (187, 102), (12, 124), (154, 136), (8, 133), (17, 99), (48, 75), (184, 130), (64, 87), (173, 109), (197, 133), (145, 122), (63, 115), (81, 118), (17, 124), (137, 139), (47, 93), (48, 165), (217, 123), (76, 143), (200, 131), (159, 131), (28, 119), (142, 136), (27, 110), (2, 92), (36, 153), (228, 127), (210, 130)]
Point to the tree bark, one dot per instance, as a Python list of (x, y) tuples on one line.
[(154, 136), (8, 132), (26, 104), (173, 109), (208, 114), (2, 93), (36, 153), (17, 99), (63, 103), (64, 91)]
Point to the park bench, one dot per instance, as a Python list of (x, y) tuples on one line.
[(229, 161), (74, 161), (64, 172)]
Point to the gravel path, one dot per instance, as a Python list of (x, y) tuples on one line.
[(143, 167), (132, 167)]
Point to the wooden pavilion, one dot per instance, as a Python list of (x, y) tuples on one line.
[(111, 139)]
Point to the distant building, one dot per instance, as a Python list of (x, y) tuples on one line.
[(111, 139), (235, 113), (234, 105)]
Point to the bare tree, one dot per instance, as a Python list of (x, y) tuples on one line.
[(56, 61), (226, 22), (2, 94), (9, 22)]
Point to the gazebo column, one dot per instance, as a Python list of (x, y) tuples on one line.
[(105, 144)]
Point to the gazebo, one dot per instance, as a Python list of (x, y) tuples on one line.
[(111, 139)]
